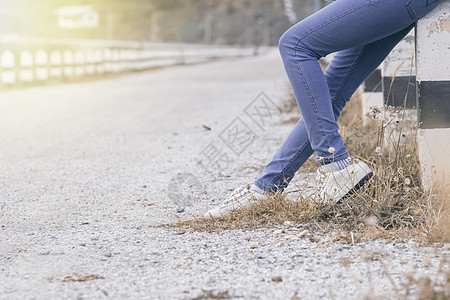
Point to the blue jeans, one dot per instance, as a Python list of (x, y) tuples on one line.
[(362, 32)]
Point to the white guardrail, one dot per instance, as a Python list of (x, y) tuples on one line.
[(24, 61)]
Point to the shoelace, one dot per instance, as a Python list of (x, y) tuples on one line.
[(238, 193), (322, 172), (321, 175)]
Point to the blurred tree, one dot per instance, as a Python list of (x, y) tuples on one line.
[(190, 21)]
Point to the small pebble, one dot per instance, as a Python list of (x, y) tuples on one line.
[(277, 278)]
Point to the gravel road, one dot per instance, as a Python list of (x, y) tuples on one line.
[(86, 168)]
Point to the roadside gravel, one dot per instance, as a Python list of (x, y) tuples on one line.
[(88, 169)]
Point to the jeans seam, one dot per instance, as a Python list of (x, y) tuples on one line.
[(410, 10)]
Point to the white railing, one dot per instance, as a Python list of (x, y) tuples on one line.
[(25, 61)]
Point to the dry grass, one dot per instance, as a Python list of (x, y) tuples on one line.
[(392, 204), (213, 295), (75, 278)]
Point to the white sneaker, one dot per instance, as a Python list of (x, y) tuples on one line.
[(241, 197), (339, 184)]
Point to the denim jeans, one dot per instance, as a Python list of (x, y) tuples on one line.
[(362, 33)]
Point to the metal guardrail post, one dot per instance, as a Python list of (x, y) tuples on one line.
[(433, 94)]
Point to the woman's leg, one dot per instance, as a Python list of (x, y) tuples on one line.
[(370, 28), (344, 75)]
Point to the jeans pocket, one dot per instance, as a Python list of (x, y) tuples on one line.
[(410, 10)]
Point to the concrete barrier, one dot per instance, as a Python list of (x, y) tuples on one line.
[(7, 66), (41, 59), (433, 90), (90, 62), (392, 84), (55, 64), (79, 61), (41, 62), (26, 73), (107, 60), (372, 95), (399, 75), (116, 67), (99, 61), (68, 61), (398, 79)]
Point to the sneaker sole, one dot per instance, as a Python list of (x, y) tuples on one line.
[(359, 185)]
